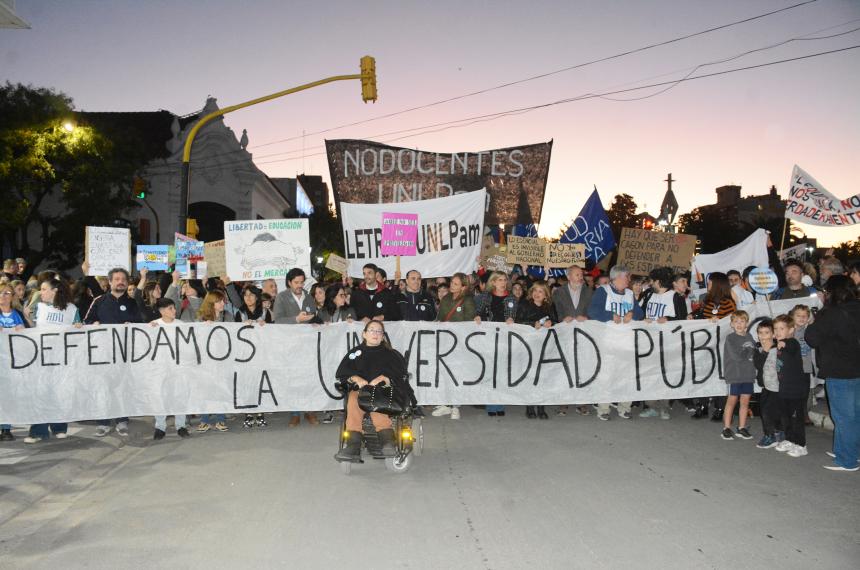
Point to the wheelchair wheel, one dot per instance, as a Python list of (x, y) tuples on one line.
[(418, 432), (346, 467), (398, 465)]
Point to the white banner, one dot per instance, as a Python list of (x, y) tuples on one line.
[(256, 250), (810, 203), (751, 251), (449, 234), (67, 374), (107, 248)]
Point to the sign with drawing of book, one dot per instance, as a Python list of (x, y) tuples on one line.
[(256, 250)]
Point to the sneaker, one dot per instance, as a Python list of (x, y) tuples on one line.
[(262, 422), (649, 413), (327, 418), (221, 426), (603, 417), (784, 446), (665, 415), (840, 468), (624, 415), (31, 439), (583, 410), (201, 427), (439, 411), (743, 433), (562, 411), (6, 435), (767, 442), (797, 451), (830, 454), (779, 436), (61, 435), (183, 432), (102, 431), (727, 434), (122, 429), (455, 413), (249, 422), (159, 434)]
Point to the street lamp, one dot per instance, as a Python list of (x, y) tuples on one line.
[(68, 126)]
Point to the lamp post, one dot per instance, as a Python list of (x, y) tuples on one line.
[(368, 93)]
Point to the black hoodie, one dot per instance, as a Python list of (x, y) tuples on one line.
[(835, 336)]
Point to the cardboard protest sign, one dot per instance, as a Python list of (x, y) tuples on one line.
[(563, 255), (107, 248), (640, 251), (337, 264), (449, 235), (492, 257), (526, 251), (152, 257), (399, 234), (809, 202), (216, 262), (266, 249), (366, 172)]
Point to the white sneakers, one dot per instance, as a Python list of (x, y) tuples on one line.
[(784, 446), (102, 431), (439, 411), (455, 413), (797, 451)]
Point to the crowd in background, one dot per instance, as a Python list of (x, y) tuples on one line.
[(791, 357)]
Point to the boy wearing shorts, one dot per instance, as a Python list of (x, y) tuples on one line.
[(740, 374)]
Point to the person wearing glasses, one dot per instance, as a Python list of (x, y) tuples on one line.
[(371, 363)]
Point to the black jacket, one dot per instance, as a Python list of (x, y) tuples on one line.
[(835, 336), (793, 382), (369, 304), (109, 310), (528, 313), (368, 362), (416, 306)]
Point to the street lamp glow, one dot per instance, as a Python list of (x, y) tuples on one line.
[(68, 126), (319, 259)]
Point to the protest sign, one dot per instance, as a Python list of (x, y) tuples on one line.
[(188, 248), (152, 257), (136, 370), (763, 280), (809, 202), (337, 264), (591, 228), (266, 249), (449, 234), (107, 248), (564, 255), (526, 251), (214, 254), (794, 252), (640, 251), (492, 257), (399, 234), (366, 172)]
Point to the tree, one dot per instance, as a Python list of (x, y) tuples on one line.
[(326, 236), (622, 214), (848, 251), (57, 177)]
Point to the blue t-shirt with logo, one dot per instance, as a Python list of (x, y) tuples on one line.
[(11, 320)]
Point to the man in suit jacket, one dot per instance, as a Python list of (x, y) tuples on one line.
[(294, 306), (572, 300)]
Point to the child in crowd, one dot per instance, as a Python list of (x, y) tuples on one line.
[(740, 374), (167, 309), (793, 387), (802, 316), (766, 377)]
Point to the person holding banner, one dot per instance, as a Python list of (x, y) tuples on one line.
[(498, 305), (571, 302), (335, 309), (114, 308), (835, 336), (615, 302), (458, 306), (537, 311), (167, 318), (252, 312), (414, 303), (11, 318)]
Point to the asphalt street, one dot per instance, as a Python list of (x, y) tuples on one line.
[(570, 492)]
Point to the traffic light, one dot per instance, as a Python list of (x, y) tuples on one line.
[(648, 224), (139, 186), (191, 228), (368, 79)]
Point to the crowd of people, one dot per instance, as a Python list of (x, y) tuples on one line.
[(792, 357)]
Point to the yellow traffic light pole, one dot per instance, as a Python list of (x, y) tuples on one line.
[(368, 93)]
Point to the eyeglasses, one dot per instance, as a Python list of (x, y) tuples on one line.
[(5, 292), (374, 331)]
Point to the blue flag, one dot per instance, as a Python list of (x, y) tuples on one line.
[(591, 228)]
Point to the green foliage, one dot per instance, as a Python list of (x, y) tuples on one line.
[(326, 237), (55, 181), (848, 251), (622, 214)]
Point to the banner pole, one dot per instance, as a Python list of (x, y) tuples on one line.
[(784, 228)]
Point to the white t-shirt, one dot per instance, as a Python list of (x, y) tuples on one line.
[(50, 315), (744, 298), (661, 305), (161, 323), (620, 304)]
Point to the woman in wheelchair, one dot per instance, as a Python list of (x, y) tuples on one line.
[(371, 363)]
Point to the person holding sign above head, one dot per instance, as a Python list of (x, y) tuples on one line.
[(371, 299), (11, 318), (537, 311), (457, 306), (167, 311), (414, 303), (498, 305), (55, 308), (146, 295), (114, 308), (615, 302), (188, 296)]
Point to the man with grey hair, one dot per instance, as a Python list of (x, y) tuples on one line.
[(615, 302), (828, 267), (572, 301)]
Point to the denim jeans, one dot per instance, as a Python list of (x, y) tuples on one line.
[(41, 430), (179, 422), (495, 408), (5, 426), (844, 398), (213, 418), (118, 421)]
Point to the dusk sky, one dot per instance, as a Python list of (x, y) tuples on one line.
[(747, 128)]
